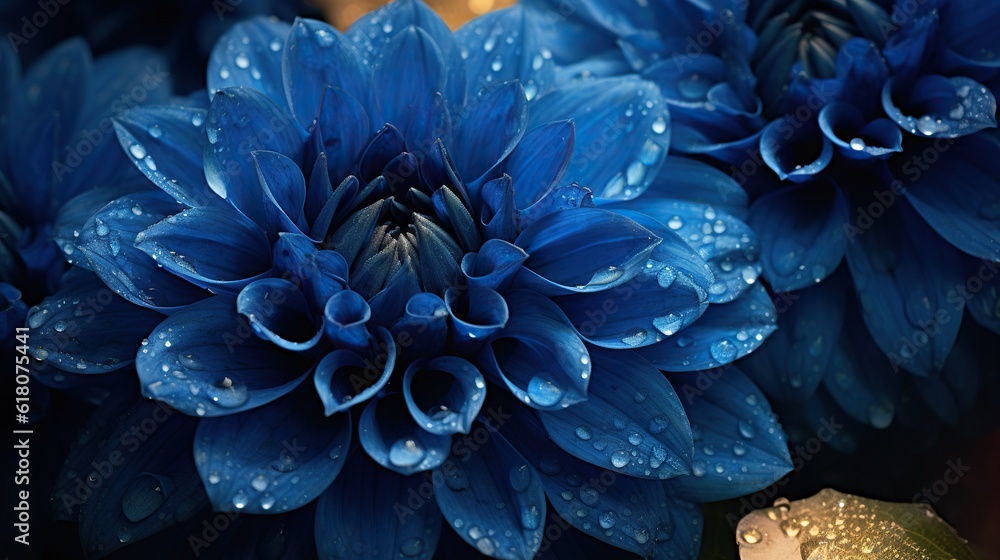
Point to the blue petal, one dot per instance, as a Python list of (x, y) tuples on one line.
[(373, 33), (499, 215), (284, 191), (638, 515), (12, 313), (500, 109), (801, 230), (727, 244), (249, 54), (791, 365), (902, 272), (167, 145), (584, 250), (490, 58), (278, 312), (791, 150), (107, 242), (619, 144), (205, 360), (689, 180), (739, 448), (962, 184), (209, 246), (240, 121), (670, 293), (494, 266), (450, 208), (448, 394), (631, 423), (844, 125), (372, 512), (347, 315), (344, 126), (74, 215), (984, 303), (153, 487), (940, 107), (953, 392), (423, 329), (710, 341), (411, 101), (538, 333), (273, 458), (540, 160), (439, 256), (345, 378), (556, 199), (859, 378), (393, 439), (85, 328), (316, 56), (474, 486), (968, 30), (320, 274), (477, 314)]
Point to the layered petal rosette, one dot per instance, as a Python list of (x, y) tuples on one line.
[(400, 277), (863, 131)]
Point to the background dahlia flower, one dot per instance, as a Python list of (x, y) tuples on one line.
[(862, 129), (396, 276)]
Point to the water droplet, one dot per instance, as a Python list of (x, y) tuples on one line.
[(137, 151), (457, 480), (684, 341), (635, 438), (228, 392), (607, 519), (520, 478), (266, 500), (124, 535), (659, 125), (589, 495), (636, 337), (858, 144), (197, 119), (406, 452), (746, 429), (583, 432), (530, 517), (411, 547), (619, 459), (668, 325), (724, 351), (143, 496), (879, 416), (751, 536), (214, 478), (658, 424), (543, 391), (259, 483), (240, 499), (275, 45)]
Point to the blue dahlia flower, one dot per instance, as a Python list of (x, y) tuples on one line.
[(59, 163), (397, 275), (863, 130)]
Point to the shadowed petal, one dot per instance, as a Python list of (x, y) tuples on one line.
[(393, 439), (444, 394)]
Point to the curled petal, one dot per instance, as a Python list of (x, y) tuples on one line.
[(345, 378), (537, 334), (790, 148), (476, 315), (540, 160), (394, 440), (423, 329), (273, 458), (444, 394), (279, 312), (843, 125), (494, 266), (347, 315)]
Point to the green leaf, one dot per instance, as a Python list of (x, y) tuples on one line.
[(835, 526)]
